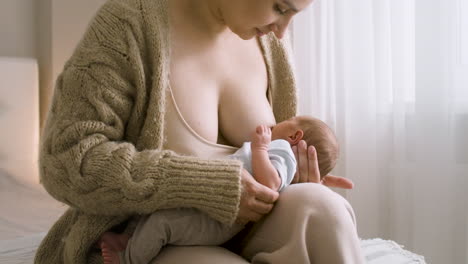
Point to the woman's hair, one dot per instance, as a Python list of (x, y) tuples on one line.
[(319, 135)]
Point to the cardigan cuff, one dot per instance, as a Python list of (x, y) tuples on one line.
[(212, 186)]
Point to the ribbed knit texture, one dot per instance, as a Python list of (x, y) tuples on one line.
[(101, 151)]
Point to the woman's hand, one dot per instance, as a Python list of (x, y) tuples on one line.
[(256, 199), (308, 169)]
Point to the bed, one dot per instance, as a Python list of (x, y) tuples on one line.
[(27, 211)]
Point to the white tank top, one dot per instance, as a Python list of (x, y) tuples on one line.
[(182, 139)]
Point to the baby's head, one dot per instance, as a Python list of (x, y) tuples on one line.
[(314, 132)]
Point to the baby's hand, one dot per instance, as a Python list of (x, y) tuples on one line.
[(261, 138)]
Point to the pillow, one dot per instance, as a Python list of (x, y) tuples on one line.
[(19, 118)]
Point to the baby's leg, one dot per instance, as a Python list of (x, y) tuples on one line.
[(111, 244), (181, 227)]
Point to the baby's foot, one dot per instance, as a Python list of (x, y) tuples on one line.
[(109, 255), (111, 244)]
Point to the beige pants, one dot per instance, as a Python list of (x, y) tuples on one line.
[(309, 224), (180, 227)]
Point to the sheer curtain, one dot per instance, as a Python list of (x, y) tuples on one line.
[(390, 77)]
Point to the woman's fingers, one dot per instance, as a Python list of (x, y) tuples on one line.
[(256, 199), (308, 169), (338, 182), (261, 207), (261, 202), (307, 163), (264, 194), (296, 175), (303, 163), (314, 171)]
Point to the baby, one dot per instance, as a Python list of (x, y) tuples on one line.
[(271, 161)]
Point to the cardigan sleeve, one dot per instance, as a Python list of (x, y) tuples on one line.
[(87, 163)]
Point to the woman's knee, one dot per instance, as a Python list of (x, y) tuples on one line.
[(316, 200)]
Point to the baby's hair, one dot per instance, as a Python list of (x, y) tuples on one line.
[(320, 135)]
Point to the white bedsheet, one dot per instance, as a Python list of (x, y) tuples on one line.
[(25, 209), (27, 212)]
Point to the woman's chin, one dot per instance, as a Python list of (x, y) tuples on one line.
[(244, 35)]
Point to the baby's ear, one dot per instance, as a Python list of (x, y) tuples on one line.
[(296, 137)]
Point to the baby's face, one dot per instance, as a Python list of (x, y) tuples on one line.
[(284, 129)]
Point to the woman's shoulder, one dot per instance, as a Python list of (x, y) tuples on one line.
[(115, 14), (122, 19), (119, 25), (109, 24), (123, 8), (131, 10)]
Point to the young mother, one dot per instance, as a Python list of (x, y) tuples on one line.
[(154, 96)]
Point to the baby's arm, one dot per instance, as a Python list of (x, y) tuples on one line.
[(263, 170)]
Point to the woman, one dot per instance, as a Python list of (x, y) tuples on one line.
[(156, 93)]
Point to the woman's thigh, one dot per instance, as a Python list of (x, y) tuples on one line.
[(309, 224)]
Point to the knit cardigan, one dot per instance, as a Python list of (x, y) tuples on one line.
[(101, 151)]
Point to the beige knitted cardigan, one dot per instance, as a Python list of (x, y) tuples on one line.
[(101, 152)]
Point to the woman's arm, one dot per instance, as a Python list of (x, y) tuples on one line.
[(86, 162), (86, 159)]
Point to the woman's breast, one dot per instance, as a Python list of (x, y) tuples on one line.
[(222, 95), (181, 138), (201, 123), (242, 108)]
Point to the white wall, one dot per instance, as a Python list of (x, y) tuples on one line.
[(17, 28), (47, 30), (62, 24), (44, 55), (70, 19)]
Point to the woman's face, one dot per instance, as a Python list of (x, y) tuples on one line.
[(250, 18)]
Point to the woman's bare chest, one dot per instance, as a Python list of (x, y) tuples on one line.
[(221, 89)]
